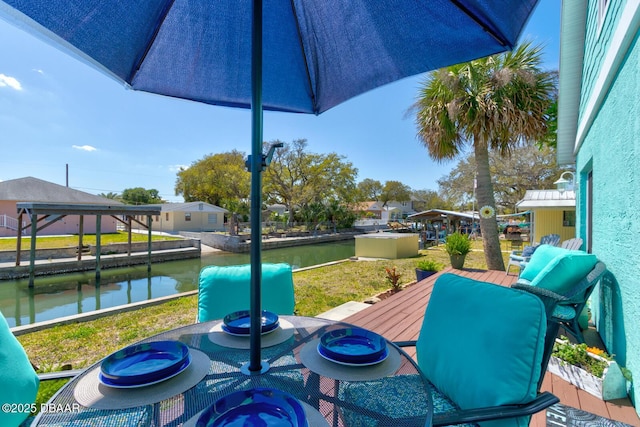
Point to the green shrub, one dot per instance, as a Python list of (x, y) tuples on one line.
[(457, 244), (429, 265)]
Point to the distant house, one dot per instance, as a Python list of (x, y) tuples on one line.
[(190, 216), (552, 212), (375, 210), (31, 189)]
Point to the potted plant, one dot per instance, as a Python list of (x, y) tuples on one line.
[(457, 246), (427, 267), (588, 368)]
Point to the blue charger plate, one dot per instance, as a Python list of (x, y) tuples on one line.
[(239, 322), (355, 346), (144, 363), (254, 407), (111, 383)]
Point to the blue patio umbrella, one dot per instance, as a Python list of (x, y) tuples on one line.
[(301, 56)]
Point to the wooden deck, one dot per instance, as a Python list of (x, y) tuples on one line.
[(399, 318)]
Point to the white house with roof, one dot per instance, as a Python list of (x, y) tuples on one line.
[(552, 212), (190, 216)]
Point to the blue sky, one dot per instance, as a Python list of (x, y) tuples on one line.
[(57, 111)]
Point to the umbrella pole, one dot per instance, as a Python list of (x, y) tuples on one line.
[(255, 364)]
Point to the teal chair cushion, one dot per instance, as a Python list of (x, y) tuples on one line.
[(564, 271), (18, 381), (225, 289), (542, 256), (481, 344)]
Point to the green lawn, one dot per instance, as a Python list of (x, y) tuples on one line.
[(9, 244)]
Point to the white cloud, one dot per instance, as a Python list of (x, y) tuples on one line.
[(84, 147), (11, 82), (176, 168)]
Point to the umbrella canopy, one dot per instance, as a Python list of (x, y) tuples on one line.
[(298, 55)]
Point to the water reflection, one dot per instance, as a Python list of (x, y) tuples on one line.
[(57, 296)]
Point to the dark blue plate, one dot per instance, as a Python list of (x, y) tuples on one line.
[(264, 407), (144, 363), (353, 346), (239, 322), (115, 384)]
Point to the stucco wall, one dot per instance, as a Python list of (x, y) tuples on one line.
[(611, 150)]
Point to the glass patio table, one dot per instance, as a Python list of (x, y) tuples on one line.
[(328, 391)]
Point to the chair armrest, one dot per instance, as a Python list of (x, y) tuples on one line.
[(538, 291), (405, 343), (44, 376), (542, 401)]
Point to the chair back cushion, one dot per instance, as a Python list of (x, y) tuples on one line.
[(565, 271), (18, 381), (225, 289), (481, 344), (542, 256), (557, 269)]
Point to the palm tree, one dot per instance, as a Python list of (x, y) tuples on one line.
[(493, 103)]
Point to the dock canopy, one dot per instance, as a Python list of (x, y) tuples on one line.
[(40, 212)]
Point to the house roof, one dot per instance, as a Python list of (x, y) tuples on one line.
[(32, 189), (547, 199), (191, 207), (438, 214)]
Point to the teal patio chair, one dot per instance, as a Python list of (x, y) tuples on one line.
[(566, 276), (482, 347), (18, 381), (225, 289)]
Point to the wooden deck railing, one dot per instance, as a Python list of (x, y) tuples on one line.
[(399, 318)]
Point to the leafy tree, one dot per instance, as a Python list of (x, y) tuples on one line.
[(369, 190), (395, 191), (424, 200), (298, 179), (141, 196), (527, 167), (219, 179), (493, 103)]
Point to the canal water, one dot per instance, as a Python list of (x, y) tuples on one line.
[(57, 296)]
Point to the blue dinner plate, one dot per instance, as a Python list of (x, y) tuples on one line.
[(353, 346), (239, 322), (263, 407), (116, 384), (144, 363)]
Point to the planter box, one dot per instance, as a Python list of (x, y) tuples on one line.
[(611, 386)]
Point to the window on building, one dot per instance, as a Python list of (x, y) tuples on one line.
[(166, 216), (187, 216), (568, 218), (212, 219)]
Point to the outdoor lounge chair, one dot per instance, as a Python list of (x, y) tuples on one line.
[(520, 258), (575, 243), (482, 347), (568, 277), (225, 289), (18, 381)]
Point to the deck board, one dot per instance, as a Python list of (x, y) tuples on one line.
[(399, 318)]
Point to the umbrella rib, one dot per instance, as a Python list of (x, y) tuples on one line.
[(481, 21), (152, 39), (304, 57)]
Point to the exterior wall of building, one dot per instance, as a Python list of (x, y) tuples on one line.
[(550, 221), (611, 153), (174, 221), (69, 224)]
